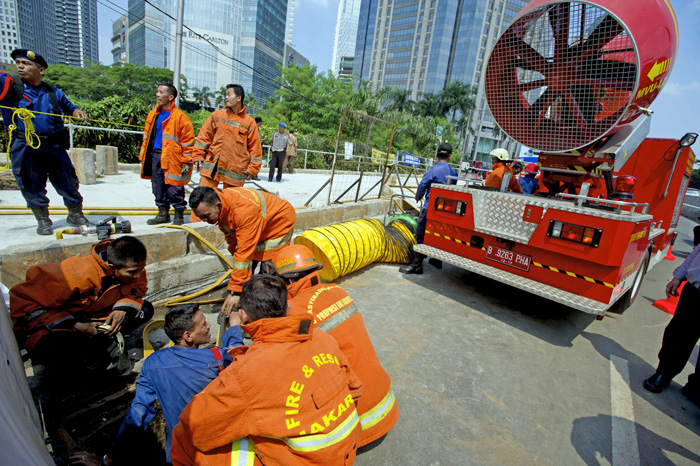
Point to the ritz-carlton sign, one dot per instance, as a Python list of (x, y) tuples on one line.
[(205, 37)]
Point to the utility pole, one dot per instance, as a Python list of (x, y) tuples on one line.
[(178, 48)]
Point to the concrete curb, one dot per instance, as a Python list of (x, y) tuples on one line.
[(177, 262)]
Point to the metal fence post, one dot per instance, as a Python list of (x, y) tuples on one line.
[(70, 132), (306, 154)]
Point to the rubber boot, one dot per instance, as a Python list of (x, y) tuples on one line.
[(437, 263), (75, 216), (162, 217), (44, 222), (179, 218), (416, 266)]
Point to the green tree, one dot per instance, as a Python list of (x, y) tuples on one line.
[(695, 179), (202, 96), (220, 100), (430, 105), (457, 97), (400, 100)]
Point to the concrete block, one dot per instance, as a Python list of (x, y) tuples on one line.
[(163, 244), (182, 275), (210, 233), (84, 163), (353, 211), (106, 160), (306, 218), (330, 214)]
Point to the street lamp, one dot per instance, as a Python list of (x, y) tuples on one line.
[(686, 141)]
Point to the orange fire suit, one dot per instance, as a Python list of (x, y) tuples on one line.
[(229, 147), (178, 145), (256, 225), (291, 393), (335, 312), (495, 178), (55, 296)]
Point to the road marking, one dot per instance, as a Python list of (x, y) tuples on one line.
[(625, 450)]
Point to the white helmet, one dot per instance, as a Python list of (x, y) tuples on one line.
[(500, 154)]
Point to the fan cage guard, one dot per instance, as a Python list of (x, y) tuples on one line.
[(562, 76)]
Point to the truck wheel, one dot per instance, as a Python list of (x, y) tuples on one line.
[(626, 301)]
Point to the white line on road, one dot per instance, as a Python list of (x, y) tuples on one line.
[(625, 450)]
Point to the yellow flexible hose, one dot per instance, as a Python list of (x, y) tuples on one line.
[(345, 247), (196, 294)]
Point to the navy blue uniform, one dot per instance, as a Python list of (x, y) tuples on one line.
[(32, 167), (438, 173)]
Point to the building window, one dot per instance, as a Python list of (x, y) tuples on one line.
[(431, 16)]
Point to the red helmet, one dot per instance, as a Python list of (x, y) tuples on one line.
[(531, 168), (295, 261)]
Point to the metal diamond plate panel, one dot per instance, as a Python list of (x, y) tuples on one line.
[(501, 214), (540, 289)]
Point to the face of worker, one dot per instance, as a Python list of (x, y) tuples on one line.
[(232, 100), (163, 96), (201, 330), (281, 129), (208, 213), (28, 70), (130, 273)]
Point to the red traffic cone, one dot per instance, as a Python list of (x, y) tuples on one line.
[(670, 256), (669, 304)]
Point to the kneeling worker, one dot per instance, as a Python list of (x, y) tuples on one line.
[(291, 393), (58, 310), (256, 225), (335, 313), (438, 173)]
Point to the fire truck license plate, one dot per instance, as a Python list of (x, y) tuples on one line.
[(507, 257)]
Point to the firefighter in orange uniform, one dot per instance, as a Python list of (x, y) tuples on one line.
[(166, 155), (228, 146), (499, 157), (256, 225), (335, 312), (56, 311), (290, 395)]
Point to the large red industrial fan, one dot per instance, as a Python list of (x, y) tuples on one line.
[(565, 74)]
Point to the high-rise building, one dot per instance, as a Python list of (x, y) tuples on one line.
[(9, 30), (345, 71), (345, 34), (289, 31), (422, 45), (120, 40), (218, 35), (62, 31), (262, 44)]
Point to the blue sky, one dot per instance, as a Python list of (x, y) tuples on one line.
[(676, 110)]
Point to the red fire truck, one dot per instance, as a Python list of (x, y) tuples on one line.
[(574, 80)]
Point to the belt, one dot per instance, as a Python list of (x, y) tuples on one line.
[(42, 137), (157, 150)]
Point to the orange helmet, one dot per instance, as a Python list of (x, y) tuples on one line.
[(295, 261)]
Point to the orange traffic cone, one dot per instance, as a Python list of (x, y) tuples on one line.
[(669, 304), (670, 256)]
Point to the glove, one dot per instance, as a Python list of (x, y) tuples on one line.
[(185, 168)]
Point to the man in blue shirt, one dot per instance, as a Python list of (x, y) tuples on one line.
[(34, 161), (176, 374), (682, 333), (438, 173)]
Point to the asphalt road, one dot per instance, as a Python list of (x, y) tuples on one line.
[(488, 374)]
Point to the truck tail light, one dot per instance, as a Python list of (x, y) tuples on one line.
[(443, 204), (624, 187), (575, 233)]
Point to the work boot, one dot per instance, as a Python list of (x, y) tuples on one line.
[(44, 222), (437, 263), (416, 266), (162, 217), (179, 218), (75, 216), (657, 382)]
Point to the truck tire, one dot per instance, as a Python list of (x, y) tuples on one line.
[(626, 301)]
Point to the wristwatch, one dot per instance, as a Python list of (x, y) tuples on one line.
[(104, 461)]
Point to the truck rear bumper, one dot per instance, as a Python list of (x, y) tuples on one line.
[(575, 301)]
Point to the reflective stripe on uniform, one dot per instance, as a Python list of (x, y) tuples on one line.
[(338, 318), (187, 144), (229, 174), (242, 265), (235, 124), (263, 206), (178, 178), (242, 452), (379, 412), (170, 137), (256, 159), (274, 243), (208, 166), (321, 441), (201, 144)]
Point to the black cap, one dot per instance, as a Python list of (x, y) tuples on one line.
[(29, 55), (445, 149)]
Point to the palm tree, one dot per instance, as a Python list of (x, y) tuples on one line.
[(430, 105), (400, 100), (202, 96), (457, 97), (220, 101)]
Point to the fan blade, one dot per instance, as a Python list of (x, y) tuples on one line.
[(527, 53), (606, 31), (559, 16)]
